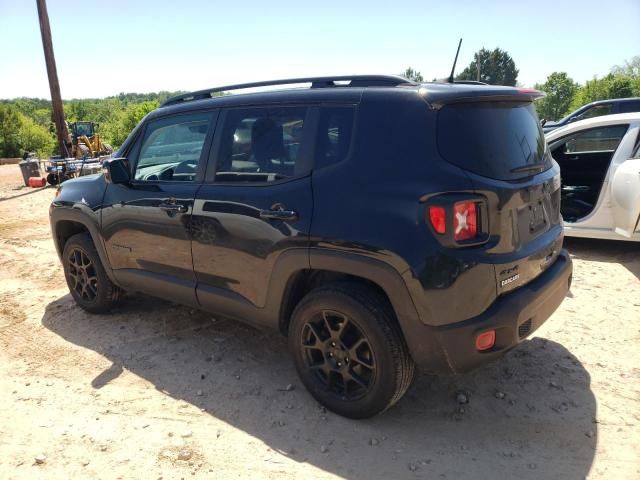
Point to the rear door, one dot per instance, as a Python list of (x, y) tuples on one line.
[(146, 223), (255, 204), (502, 148)]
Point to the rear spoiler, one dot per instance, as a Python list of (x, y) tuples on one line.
[(438, 97)]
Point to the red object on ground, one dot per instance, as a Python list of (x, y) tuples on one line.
[(35, 182)]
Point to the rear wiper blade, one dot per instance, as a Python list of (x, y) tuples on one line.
[(527, 168)]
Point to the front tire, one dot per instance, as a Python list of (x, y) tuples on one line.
[(82, 151), (349, 350), (86, 278), (108, 149)]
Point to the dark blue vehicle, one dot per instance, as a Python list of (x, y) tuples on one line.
[(378, 223), (596, 109)]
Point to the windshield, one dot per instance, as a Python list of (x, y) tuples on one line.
[(499, 140), (84, 129)]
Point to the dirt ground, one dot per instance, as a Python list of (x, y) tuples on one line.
[(156, 390)]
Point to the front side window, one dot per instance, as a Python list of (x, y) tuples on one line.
[(261, 144), (171, 148), (596, 111), (603, 139)]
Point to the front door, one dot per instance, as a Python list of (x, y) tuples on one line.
[(146, 223), (254, 205), (625, 192), (585, 158)]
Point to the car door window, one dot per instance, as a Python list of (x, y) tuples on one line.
[(261, 144), (597, 111), (602, 139), (172, 147), (628, 107)]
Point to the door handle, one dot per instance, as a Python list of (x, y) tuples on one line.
[(171, 206), (280, 214)]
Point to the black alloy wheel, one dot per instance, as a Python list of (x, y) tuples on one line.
[(88, 282), (348, 349), (83, 275), (339, 353)]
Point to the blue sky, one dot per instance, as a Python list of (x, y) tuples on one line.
[(145, 46)]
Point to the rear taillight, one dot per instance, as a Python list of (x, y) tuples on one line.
[(465, 221), (458, 221), (438, 218)]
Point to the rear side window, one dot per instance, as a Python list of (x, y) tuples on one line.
[(628, 107), (334, 135), (492, 139), (261, 144)]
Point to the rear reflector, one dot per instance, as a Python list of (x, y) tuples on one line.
[(437, 217), (465, 221), (486, 340)]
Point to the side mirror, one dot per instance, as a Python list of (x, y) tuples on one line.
[(116, 171), (543, 122), (573, 119)]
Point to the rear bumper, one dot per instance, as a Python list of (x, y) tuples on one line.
[(513, 316)]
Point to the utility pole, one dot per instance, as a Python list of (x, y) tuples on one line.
[(52, 73), (478, 65)]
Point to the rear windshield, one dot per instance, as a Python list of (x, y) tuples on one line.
[(493, 139)]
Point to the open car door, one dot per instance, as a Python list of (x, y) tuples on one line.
[(625, 193)]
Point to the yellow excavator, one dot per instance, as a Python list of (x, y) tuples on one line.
[(81, 147), (85, 141)]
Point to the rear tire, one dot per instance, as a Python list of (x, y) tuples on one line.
[(86, 278), (349, 350)]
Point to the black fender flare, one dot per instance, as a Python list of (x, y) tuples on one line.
[(418, 338), (77, 215)]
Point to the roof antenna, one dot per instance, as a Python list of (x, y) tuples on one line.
[(450, 80)]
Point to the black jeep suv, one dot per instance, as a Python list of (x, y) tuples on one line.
[(378, 223)]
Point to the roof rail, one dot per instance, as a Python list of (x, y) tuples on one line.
[(316, 82)]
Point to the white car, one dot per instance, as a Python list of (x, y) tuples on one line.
[(600, 167)]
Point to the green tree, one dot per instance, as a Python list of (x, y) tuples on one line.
[(42, 116), (610, 86), (117, 131), (496, 68), (630, 68), (620, 86), (35, 138), (560, 90), (9, 132), (413, 75), (20, 133)]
